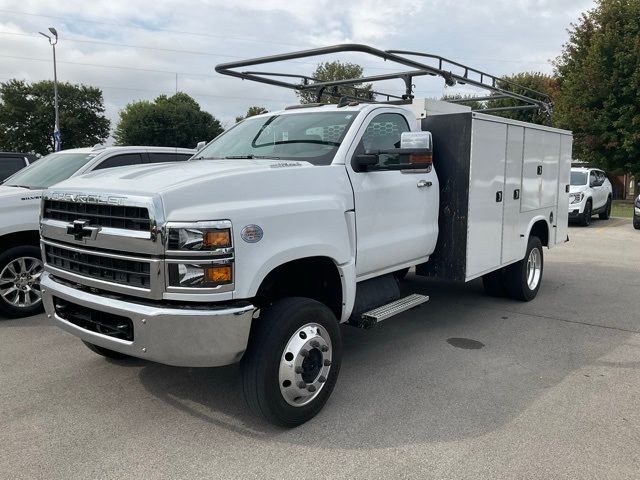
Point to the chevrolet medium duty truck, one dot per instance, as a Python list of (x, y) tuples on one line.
[(294, 222)]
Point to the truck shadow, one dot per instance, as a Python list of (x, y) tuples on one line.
[(403, 383)]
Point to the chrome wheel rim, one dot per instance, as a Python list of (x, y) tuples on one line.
[(305, 364), (20, 282), (534, 268)]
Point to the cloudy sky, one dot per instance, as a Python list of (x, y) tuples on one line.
[(138, 49)]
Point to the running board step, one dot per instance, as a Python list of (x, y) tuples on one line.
[(370, 318)]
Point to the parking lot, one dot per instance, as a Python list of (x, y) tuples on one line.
[(552, 392)]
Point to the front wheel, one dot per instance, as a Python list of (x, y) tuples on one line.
[(20, 271), (524, 277), (585, 220), (292, 362), (607, 211)]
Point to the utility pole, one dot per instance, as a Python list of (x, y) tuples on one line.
[(57, 138)]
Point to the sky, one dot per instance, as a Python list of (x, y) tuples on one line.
[(135, 50)]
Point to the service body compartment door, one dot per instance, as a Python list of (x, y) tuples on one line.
[(513, 246), (486, 196), (564, 174)]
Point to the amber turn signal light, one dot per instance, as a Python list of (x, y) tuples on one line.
[(216, 239)]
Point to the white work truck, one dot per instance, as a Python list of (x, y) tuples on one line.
[(293, 222)]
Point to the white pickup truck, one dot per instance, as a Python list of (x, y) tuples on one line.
[(20, 194), (293, 222)]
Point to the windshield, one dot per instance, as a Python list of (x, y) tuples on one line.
[(578, 178), (312, 137), (49, 170)]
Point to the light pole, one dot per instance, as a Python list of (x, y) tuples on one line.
[(57, 138)]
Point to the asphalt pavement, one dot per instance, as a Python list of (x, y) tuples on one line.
[(466, 386)]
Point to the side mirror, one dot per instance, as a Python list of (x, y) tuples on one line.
[(366, 160), (200, 145)]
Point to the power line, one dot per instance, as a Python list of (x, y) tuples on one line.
[(137, 27)]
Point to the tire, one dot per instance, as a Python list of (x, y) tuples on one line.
[(585, 219), (105, 352), (273, 387), (636, 223), (495, 284), (20, 271), (607, 211), (520, 285), (401, 274)]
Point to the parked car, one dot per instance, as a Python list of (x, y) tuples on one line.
[(590, 193), (20, 194), (636, 214), (11, 162)]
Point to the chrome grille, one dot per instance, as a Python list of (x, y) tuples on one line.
[(103, 215), (133, 273)]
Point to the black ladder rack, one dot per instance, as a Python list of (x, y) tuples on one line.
[(452, 72)]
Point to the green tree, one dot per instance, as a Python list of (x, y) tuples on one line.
[(537, 81), (336, 70), (468, 100), (175, 121), (251, 112), (27, 116), (599, 77)]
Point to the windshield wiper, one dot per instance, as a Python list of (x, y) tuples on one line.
[(207, 158), (250, 157), (17, 186)]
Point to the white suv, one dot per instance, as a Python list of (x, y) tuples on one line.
[(20, 259), (590, 193)]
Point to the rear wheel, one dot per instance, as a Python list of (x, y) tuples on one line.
[(292, 362), (105, 352), (524, 277), (585, 220), (20, 271), (607, 211)]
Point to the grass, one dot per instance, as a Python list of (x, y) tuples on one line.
[(621, 208)]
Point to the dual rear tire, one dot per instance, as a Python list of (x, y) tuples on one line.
[(521, 280)]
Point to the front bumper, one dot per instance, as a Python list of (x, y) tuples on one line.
[(173, 336)]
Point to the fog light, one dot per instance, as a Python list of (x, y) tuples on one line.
[(218, 275)]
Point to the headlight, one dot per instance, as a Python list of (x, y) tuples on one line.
[(576, 197), (200, 275), (195, 238)]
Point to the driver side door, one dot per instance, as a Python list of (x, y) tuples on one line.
[(396, 210)]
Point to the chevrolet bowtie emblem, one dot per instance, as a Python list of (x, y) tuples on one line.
[(80, 229)]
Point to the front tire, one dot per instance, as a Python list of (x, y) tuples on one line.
[(524, 277), (585, 220), (607, 211), (292, 361), (636, 223), (20, 271)]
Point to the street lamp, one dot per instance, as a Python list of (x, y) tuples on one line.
[(57, 139)]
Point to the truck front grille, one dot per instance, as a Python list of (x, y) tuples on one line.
[(127, 272), (102, 215), (105, 323)]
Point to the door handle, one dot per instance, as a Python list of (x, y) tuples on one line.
[(424, 183), (499, 196)]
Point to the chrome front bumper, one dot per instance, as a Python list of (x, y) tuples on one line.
[(181, 337)]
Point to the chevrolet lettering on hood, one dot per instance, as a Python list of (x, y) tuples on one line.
[(86, 198)]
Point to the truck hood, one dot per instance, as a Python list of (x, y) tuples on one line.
[(221, 189), (578, 188), (163, 178)]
